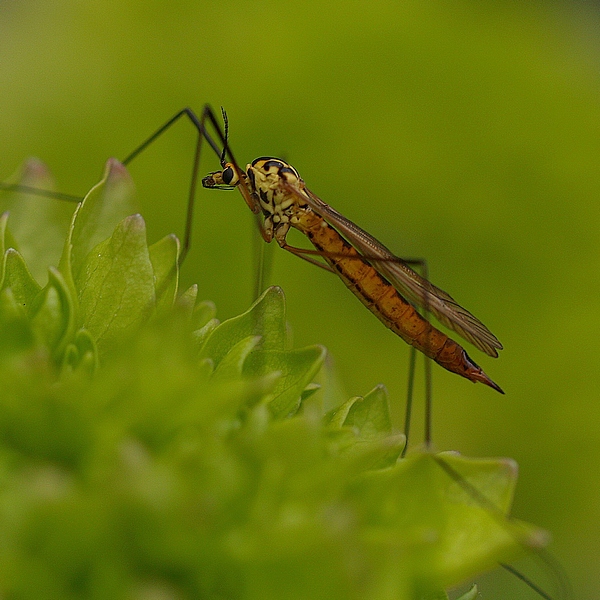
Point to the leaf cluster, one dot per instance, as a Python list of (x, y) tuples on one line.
[(148, 450)]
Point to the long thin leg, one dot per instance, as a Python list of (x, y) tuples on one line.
[(223, 152), (26, 189), (500, 517), (534, 586), (421, 263), (301, 253), (428, 403), (207, 113), (412, 361)]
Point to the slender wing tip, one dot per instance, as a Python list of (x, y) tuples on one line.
[(489, 350), (493, 350), (486, 346)]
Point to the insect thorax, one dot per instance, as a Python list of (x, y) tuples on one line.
[(276, 185)]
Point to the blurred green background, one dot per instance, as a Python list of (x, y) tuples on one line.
[(466, 132)]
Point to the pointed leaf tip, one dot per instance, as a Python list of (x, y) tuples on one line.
[(35, 170)]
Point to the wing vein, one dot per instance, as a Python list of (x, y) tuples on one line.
[(407, 282)]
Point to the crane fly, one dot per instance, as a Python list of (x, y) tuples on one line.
[(383, 282)]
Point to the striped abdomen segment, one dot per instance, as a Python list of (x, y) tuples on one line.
[(385, 302)]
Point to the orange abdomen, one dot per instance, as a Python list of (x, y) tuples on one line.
[(385, 302)]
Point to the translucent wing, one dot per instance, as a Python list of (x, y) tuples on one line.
[(410, 284)]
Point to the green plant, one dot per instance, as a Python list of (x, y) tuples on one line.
[(149, 451)]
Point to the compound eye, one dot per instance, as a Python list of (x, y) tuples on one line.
[(229, 175)]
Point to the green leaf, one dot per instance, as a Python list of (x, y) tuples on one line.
[(39, 224), (65, 265), (448, 532), (439, 595), (370, 416), (296, 369), (202, 334), (230, 367), (116, 283), (71, 358), (310, 390), (164, 256), (187, 301), (53, 314), (81, 355), (203, 313), (362, 429), (470, 595), (265, 318), (336, 418), (3, 242), (195, 458), (107, 204), (18, 278), (332, 394), (16, 334)]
